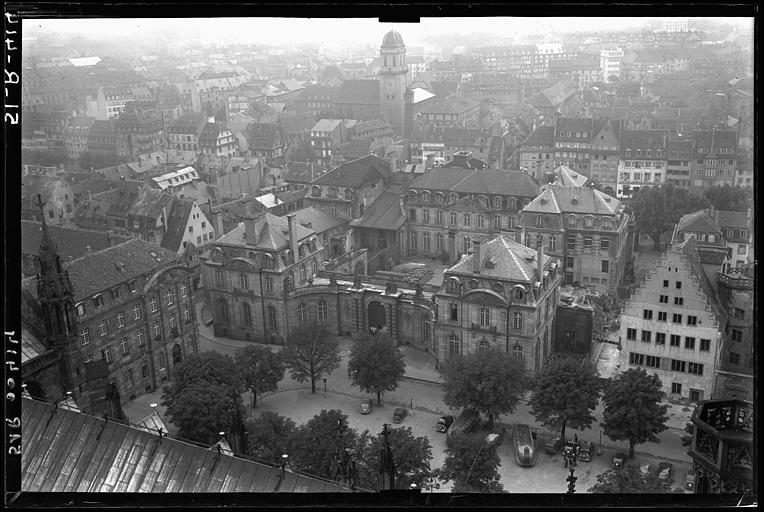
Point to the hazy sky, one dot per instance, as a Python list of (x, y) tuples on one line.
[(330, 30)]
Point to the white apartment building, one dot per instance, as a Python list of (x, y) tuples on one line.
[(610, 62), (672, 325)]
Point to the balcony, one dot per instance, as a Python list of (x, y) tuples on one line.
[(489, 328), (736, 278)]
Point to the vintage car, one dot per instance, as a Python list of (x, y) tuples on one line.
[(689, 482), (665, 470), (553, 446), (585, 451), (525, 446), (496, 435), (366, 405), (443, 423), (619, 459), (398, 414)]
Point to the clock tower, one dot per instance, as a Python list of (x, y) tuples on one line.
[(393, 78)]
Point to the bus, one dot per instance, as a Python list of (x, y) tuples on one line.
[(525, 446)]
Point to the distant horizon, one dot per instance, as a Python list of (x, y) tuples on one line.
[(338, 31)]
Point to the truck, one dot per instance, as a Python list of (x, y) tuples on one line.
[(467, 420)]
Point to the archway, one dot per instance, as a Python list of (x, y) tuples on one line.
[(377, 316), (177, 354)]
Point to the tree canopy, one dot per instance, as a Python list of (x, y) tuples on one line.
[(311, 353), (565, 393), (319, 444), (260, 368), (472, 464), (270, 436), (488, 381), (632, 409), (411, 458), (628, 480), (730, 198), (658, 209), (204, 397), (376, 364)]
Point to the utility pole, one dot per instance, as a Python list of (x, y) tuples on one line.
[(387, 467)]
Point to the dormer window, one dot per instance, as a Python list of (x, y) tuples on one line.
[(413, 196), (497, 203), (453, 285), (98, 301), (332, 191), (316, 191), (80, 309), (588, 222), (115, 294)]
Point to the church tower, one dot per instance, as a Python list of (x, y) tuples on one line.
[(393, 77), (56, 299)]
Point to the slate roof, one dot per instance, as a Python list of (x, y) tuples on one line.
[(68, 451), (555, 95), (689, 248), (356, 173), (715, 138), (392, 39), (188, 124), (177, 220), (296, 123), (355, 148), (384, 213), (358, 92), (262, 135), (150, 203), (582, 200), (317, 220), (567, 177), (644, 139), (326, 125), (70, 242), (467, 204), (448, 105), (511, 261), (453, 136), (484, 181), (100, 271), (698, 222), (541, 136), (300, 172), (733, 219), (272, 233), (209, 135)]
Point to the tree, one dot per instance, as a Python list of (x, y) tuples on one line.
[(204, 397), (270, 436), (565, 392), (628, 480), (472, 464), (730, 199), (260, 369), (259, 110), (411, 458), (201, 410), (488, 381), (632, 409), (319, 444), (310, 353), (658, 209), (377, 365)]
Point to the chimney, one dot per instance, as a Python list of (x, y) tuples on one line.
[(164, 218), (292, 236), (539, 253), (477, 261), (748, 218)]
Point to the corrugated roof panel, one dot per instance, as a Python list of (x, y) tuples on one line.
[(288, 482), (246, 479), (58, 476), (272, 478), (155, 466), (108, 446), (182, 467), (201, 472), (233, 476), (166, 470), (118, 464), (260, 480), (142, 464), (80, 455), (215, 482), (52, 438), (133, 456)]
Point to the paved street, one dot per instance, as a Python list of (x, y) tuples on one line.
[(294, 400)]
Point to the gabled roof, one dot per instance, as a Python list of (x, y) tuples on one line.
[(715, 138), (326, 125), (644, 139), (541, 136), (452, 104), (272, 233), (355, 148), (177, 220), (453, 136), (689, 248), (109, 456), (70, 242), (555, 95), (210, 133), (698, 222), (358, 92), (356, 173), (150, 202), (485, 181), (734, 220), (467, 204), (303, 172), (510, 261), (581, 200), (384, 213), (567, 177), (188, 124), (317, 220)]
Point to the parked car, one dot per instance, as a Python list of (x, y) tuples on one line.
[(689, 482), (619, 459), (366, 405), (553, 446), (664, 471), (464, 424), (496, 435), (399, 414), (585, 451), (645, 470), (443, 423)]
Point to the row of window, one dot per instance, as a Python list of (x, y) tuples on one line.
[(604, 244), (453, 218), (497, 203), (674, 340), (485, 316), (116, 293), (677, 365), (103, 325)]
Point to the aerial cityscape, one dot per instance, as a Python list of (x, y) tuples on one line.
[(500, 255)]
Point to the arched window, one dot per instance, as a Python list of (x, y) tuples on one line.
[(252, 256), (511, 203), (323, 312), (453, 285), (217, 255), (425, 197), (349, 194), (244, 281), (571, 220), (454, 350), (483, 345), (607, 224), (588, 221), (272, 322), (711, 238), (517, 352), (438, 198), (246, 315), (303, 273), (498, 288), (413, 196), (497, 203), (302, 313), (332, 191), (517, 321), (483, 200), (473, 284), (452, 198), (316, 191)]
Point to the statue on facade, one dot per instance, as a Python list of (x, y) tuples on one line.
[(391, 288), (418, 294), (357, 280), (332, 279)]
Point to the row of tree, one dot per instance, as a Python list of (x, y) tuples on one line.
[(658, 209)]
